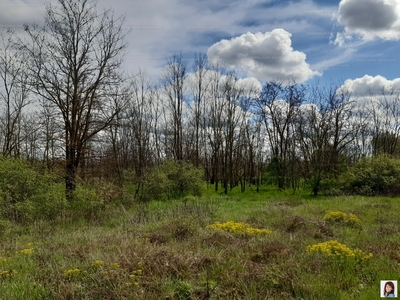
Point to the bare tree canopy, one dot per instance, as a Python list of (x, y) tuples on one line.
[(14, 94), (75, 60)]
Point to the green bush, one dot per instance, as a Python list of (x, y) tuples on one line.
[(87, 204), (374, 176), (96, 201), (5, 228), (172, 180), (25, 194)]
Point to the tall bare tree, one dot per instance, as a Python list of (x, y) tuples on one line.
[(198, 88), (14, 93), (173, 82), (75, 60), (213, 124), (277, 109), (385, 112), (50, 133), (326, 127)]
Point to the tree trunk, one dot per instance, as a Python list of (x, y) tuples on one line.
[(70, 180)]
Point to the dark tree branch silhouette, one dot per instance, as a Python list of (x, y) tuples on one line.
[(75, 60)]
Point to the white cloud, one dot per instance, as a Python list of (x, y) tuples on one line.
[(371, 86), (265, 56), (369, 19), (251, 86)]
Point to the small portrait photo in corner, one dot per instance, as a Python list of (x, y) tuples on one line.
[(388, 288)]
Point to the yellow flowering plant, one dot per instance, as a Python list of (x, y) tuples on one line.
[(115, 265), (97, 263), (74, 274), (7, 273), (348, 219), (333, 248), (238, 228), (27, 251), (136, 275)]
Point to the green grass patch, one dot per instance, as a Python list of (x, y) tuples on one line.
[(170, 249)]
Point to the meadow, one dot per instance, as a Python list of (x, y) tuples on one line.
[(267, 245)]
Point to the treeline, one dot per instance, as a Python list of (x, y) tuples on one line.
[(65, 103)]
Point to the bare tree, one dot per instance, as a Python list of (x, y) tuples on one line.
[(198, 89), (277, 108), (74, 62), (234, 124), (213, 126), (361, 146), (51, 133), (173, 82), (13, 94), (385, 112), (30, 133), (326, 128), (139, 122)]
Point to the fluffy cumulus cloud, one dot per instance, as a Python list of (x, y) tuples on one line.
[(369, 18), (371, 86), (265, 56)]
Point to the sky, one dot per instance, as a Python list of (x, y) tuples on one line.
[(350, 42)]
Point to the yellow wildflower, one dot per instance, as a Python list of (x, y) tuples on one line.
[(97, 263), (27, 251), (5, 273), (239, 228), (72, 272), (336, 249), (341, 217), (114, 265)]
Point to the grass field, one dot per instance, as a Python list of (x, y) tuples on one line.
[(168, 250)]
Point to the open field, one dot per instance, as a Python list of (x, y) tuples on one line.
[(164, 250)]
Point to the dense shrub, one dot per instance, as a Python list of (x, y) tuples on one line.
[(374, 176), (25, 194), (87, 204), (172, 180), (96, 201)]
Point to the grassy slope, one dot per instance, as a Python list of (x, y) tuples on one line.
[(163, 250)]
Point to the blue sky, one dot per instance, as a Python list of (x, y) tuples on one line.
[(308, 41)]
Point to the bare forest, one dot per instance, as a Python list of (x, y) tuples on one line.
[(66, 104)]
